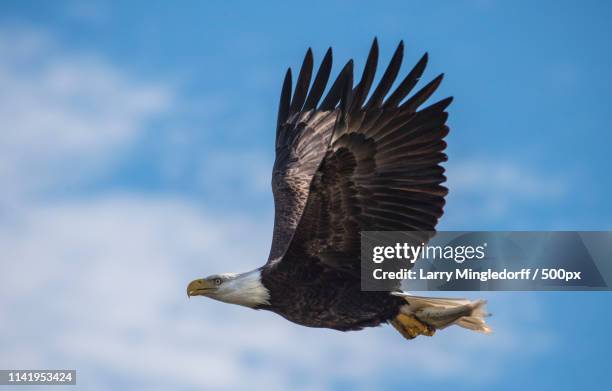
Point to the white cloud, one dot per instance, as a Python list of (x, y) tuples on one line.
[(503, 177), (63, 113), (486, 189), (227, 171), (98, 284)]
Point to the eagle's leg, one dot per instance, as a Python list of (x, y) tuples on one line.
[(423, 315), (410, 327)]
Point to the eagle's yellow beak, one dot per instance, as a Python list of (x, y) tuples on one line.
[(200, 287)]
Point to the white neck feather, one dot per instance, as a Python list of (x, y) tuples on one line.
[(244, 289)]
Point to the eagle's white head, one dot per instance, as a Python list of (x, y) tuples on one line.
[(243, 289)]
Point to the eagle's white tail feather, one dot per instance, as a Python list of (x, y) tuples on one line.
[(441, 312)]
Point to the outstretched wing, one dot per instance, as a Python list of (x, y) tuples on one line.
[(303, 134), (381, 171)]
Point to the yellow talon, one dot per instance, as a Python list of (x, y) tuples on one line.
[(410, 327)]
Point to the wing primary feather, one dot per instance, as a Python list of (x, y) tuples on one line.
[(408, 83), (438, 106), (302, 84), (422, 95), (318, 86), (388, 77), (367, 77), (345, 100), (285, 101), (335, 92)]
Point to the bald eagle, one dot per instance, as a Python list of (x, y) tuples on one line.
[(353, 161)]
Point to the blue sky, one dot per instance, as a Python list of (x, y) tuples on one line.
[(136, 154)]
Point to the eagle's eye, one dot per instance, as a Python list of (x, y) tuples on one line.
[(217, 281)]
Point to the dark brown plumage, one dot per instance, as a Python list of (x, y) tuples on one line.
[(348, 165)]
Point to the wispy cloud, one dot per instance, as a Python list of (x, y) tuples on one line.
[(105, 279), (503, 177), (64, 113), (226, 171), (487, 189), (97, 283)]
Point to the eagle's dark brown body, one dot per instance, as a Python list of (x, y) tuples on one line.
[(328, 299)]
